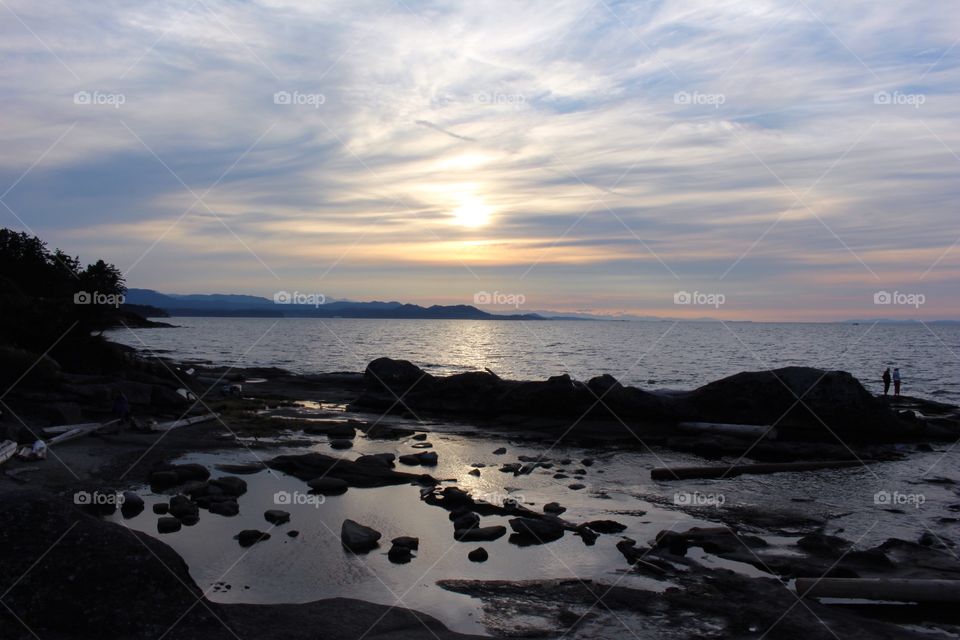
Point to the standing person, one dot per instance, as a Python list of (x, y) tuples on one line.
[(896, 382), (121, 407), (886, 381)]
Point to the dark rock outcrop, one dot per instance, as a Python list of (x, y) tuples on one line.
[(308, 466)]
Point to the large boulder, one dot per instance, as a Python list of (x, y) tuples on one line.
[(357, 537), (308, 466), (398, 376)]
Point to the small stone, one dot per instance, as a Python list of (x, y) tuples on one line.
[(500, 451), (249, 537), (576, 486), (276, 516), (475, 472), (168, 524), (478, 555)]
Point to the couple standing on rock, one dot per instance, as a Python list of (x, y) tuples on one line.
[(896, 381)]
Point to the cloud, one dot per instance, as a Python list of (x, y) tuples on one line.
[(617, 146)]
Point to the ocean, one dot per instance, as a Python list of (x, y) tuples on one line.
[(651, 355)]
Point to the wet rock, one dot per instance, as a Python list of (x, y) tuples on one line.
[(293, 533), (328, 486), (606, 526), (161, 508), (407, 541), (588, 535), (400, 376), (474, 472), (165, 476), (511, 467), (228, 508), (422, 445), (357, 537), (249, 537), (587, 462), (381, 459), (478, 555), (132, 504), (500, 451), (341, 444), (399, 554), (426, 458), (243, 469), (537, 531), (467, 521), (183, 508), (313, 465), (560, 476), (480, 533), (576, 486), (276, 516), (830, 546), (230, 485), (420, 436), (554, 508), (168, 524)]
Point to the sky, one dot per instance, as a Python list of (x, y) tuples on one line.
[(794, 160)]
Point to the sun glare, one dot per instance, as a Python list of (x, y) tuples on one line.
[(472, 213)]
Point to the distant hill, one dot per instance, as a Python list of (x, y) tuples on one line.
[(233, 305)]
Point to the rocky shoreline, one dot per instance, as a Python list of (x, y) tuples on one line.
[(95, 570)]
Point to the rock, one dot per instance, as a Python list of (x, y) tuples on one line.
[(511, 467), (576, 486), (398, 376), (243, 469), (341, 444), (480, 533), (467, 521), (293, 533), (183, 508), (249, 537), (309, 466), (357, 537), (560, 476), (230, 485), (606, 526), (830, 546), (587, 462), (426, 458), (406, 541), (276, 516), (537, 531), (381, 459), (420, 436), (500, 451), (474, 472), (171, 475), (588, 535), (161, 508), (328, 486), (422, 445), (400, 555), (132, 504), (478, 555), (228, 508), (168, 524), (554, 508)]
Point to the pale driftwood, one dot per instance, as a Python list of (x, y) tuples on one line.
[(684, 473), (80, 430), (8, 448), (63, 428), (167, 426), (887, 589), (753, 431)]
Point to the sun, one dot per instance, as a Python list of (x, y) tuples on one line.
[(472, 213)]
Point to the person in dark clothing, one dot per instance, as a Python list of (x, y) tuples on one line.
[(121, 407), (886, 381), (896, 382)]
